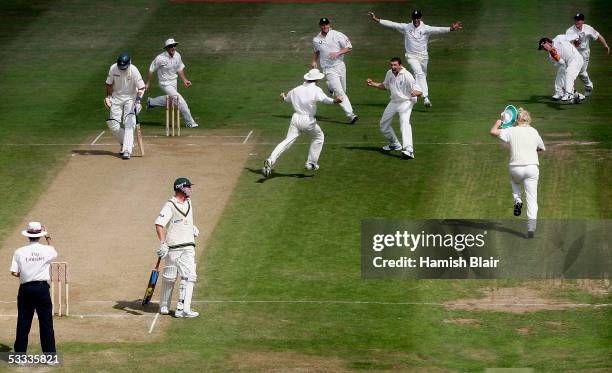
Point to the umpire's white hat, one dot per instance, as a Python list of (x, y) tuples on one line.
[(170, 43), (314, 74), (35, 229)]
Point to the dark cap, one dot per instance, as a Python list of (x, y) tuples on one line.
[(416, 14), (324, 21), (182, 182), (579, 17), (542, 42)]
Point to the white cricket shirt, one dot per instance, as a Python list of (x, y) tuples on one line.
[(524, 144), (304, 98), (167, 67), (126, 83), (584, 36), (32, 262), (326, 44), (401, 85), (415, 38), (567, 50), (177, 218)]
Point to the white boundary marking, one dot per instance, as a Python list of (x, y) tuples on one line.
[(97, 138), (247, 137), (153, 323)]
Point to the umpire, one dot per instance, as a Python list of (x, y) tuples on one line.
[(31, 265)]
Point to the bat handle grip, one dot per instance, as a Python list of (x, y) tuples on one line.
[(157, 265)]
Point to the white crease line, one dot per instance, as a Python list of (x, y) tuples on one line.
[(89, 315), (97, 138), (247, 137), (153, 323)]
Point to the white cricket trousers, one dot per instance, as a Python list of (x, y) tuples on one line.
[(171, 90), (301, 123), (567, 74), (122, 111), (403, 109), (179, 262), (336, 82), (527, 176), (584, 75), (419, 69)]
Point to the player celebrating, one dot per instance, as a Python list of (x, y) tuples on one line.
[(416, 37), (525, 142), (124, 90), (330, 46), (584, 33), (404, 92), (169, 65), (176, 233), (563, 54), (304, 99)]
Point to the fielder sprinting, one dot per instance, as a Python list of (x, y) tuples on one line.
[(177, 233), (584, 33), (404, 92), (124, 90), (564, 55), (304, 99), (525, 142), (330, 46), (416, 37), (169, 66)]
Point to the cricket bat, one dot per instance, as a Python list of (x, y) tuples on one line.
[(151, 286), (139, 140)]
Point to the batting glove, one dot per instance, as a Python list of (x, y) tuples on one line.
[(196, 231), (163, 250), (108, 102)]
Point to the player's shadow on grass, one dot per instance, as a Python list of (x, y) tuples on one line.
[(485, 225), (375, 149), (275, 175), (543, 100), (95, 152), (135, 307), (4, 348)]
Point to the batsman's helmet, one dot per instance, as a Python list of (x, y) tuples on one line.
[(123, 61), (416, 14), (579, 17), (182, 182)]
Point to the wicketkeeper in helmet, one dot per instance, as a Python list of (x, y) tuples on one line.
[(124, 90), (176, 233)]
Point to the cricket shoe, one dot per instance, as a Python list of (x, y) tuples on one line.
[(192, 125), (163, 310), (407, 155), (187, 314), (426, 102), (557, 96), (588, 90), (389, 147), (125, 155), (518, 206), (352, 119), (149, 106), (311, 166), (567, 98), (579, 97), (266, 171)]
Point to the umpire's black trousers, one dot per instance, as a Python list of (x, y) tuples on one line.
[(34, 296)]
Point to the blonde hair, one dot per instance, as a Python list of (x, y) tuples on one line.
[(523, 116)]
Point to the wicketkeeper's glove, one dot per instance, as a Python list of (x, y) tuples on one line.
[(163, 250)]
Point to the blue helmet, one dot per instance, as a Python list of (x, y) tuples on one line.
[(123, 61)]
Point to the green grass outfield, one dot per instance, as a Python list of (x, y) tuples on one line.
[(298, 238)]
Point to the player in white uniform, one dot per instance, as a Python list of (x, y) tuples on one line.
[(304, 99), (124, 90), (330, 46), (525, 143), (404, 92), (169, 65), (416, 37), (563, 54), (584, 33), (176, 232)]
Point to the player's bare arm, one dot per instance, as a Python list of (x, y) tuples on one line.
[(602, 41), (315, 58), (149, 77), (338, 100), (496, 129), (186, 81), (374, 84), (415, 93), (334, 55), (16, 274)]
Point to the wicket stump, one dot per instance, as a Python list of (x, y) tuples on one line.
[(59, 278), (173, 115)]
